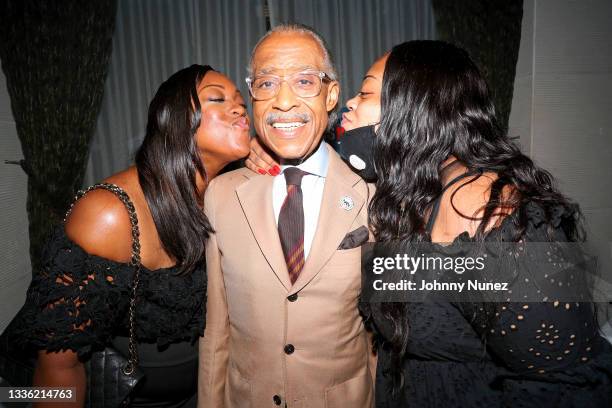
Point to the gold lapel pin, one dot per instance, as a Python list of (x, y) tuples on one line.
[(346, 203)]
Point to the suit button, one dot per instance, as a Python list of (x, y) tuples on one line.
[(276, 399), (292, 298), (289, 349)]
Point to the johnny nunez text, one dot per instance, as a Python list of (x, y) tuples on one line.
[(474, 284)]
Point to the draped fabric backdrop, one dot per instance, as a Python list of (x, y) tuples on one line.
[(55, 60), (359, 31), (154, 38), (490, 30)]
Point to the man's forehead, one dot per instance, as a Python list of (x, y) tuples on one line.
[(288, 52), (284, 69)]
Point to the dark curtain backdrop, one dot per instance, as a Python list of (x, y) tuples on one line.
[(55, 60), (490, 30), (152, 40)]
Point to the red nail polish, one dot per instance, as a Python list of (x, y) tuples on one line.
[(276, 169), (261, 171), (339, 132), (271, 171)]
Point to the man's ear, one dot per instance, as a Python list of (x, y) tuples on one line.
[(333, 92)]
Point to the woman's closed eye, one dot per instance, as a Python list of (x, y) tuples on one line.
[(218, 100)]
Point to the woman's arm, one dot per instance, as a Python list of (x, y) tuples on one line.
[(554, 329), (100, 225), (61, 369)]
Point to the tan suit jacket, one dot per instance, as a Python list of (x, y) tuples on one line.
[(253, 312)]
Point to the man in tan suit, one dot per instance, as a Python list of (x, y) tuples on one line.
[(283, 328)]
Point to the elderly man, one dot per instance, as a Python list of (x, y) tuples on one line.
[(283, 327)]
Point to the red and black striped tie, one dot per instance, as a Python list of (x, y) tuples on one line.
[(291, 223)]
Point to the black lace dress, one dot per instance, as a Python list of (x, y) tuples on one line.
[(547, 354), (90, 297)]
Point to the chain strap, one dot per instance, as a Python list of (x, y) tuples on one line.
[(135, 262)]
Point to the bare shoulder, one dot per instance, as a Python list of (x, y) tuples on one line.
[(99, 223), (469, 199), (472, 194)]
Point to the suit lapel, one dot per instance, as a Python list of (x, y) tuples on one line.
[(255, 198), (334, 221)]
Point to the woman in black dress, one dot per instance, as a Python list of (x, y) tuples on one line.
[(78, 303), (447, 174)]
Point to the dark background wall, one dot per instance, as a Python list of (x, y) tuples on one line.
[(562, 105)]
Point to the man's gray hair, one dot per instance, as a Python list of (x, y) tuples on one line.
[(328, 63)]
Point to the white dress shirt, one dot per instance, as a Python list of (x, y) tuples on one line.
[(312, 192)]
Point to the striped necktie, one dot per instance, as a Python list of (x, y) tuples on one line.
[(291, 223)]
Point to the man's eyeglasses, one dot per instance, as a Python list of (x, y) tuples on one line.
[(303, 84)]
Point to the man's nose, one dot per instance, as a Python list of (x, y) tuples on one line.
[(285, 100)]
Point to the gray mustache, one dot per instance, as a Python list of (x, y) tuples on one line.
[(287, 117)]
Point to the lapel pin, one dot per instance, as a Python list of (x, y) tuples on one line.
[(346, 203)]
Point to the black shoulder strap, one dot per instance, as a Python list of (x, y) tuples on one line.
[(135, 262), (129, 206), (436, 204)]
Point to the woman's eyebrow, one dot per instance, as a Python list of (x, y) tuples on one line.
[(217, 85)]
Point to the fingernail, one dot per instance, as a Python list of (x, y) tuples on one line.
[(339, 132), (261, 171), (271, 171), (276, 169)]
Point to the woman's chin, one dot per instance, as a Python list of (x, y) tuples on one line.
[(241, 146), (241, 151), (347, 126)]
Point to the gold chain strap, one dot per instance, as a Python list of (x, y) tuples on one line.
[(135, 262)]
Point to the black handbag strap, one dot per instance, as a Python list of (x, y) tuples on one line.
[(135, 262)]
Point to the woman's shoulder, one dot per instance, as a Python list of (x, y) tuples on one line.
[(99, 222), (464, 203)]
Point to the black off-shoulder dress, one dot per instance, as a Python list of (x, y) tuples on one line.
[(92, 294), (547, 354)]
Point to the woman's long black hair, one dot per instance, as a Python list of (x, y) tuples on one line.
[(167, 164), (434, 104)]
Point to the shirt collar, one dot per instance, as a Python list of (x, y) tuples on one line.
[(316, 164)]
